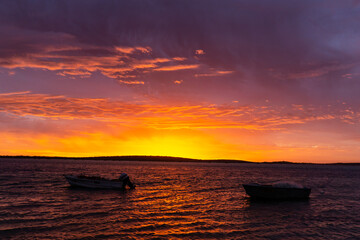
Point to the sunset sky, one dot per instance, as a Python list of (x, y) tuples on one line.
[(248, 80)]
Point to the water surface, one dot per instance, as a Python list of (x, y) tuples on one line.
[(175, 201)]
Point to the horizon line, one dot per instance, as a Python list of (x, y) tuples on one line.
[(169, 159)]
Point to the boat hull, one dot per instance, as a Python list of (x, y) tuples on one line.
[(75, 181), (276, 193)]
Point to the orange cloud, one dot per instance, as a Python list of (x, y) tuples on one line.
[(177, 67), (178, 81), (132, 82), (130, 50), (199, 52), (113, 62), (81, 73), (170, 117)]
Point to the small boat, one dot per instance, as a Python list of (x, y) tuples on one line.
[(277, 191), (99, 182)]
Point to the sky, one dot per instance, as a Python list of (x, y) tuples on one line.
[(247, 80)]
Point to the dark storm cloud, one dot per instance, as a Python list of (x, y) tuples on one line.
[(174, 26), (271, 33), (276, 43)]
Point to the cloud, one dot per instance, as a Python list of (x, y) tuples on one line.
[(66, 56), (132, 82), (199, 52), (176, 67), (288, 48), (164, 116), (213, 74), (129, 50)]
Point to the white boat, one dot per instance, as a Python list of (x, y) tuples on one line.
[(277, 191), (99, 182)]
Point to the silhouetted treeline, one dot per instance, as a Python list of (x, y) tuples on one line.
[(162, 159)]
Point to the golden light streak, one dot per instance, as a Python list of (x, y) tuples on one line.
[(177, 67)]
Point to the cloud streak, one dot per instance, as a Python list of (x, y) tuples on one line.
[(164, 116), (68, 57)]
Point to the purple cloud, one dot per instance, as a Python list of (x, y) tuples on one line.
[(296, 51)]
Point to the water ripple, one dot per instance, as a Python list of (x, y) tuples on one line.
[(172, 202)]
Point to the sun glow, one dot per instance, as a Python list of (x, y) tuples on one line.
[(51, 125), (170, 146), (101, 144)]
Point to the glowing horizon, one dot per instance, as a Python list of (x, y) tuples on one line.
[(229, 82)]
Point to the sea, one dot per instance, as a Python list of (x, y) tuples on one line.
[(175, 200)]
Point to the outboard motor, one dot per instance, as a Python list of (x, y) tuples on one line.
[(126, 181)]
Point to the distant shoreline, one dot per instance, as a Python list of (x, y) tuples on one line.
[(166, 159)]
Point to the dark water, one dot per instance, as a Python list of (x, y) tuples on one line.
[(175, 201)]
